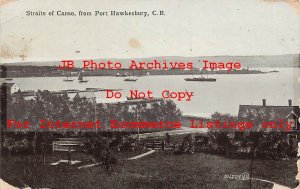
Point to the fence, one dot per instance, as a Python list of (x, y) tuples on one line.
[(67, 144), (156, 145)]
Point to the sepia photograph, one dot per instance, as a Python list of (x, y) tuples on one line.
[(149, 94)]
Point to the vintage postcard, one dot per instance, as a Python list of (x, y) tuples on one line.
[(150, 94)]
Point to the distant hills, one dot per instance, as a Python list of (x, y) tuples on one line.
[(291, 60)]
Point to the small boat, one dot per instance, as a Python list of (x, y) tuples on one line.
[(118, 74), (69, 78), (130, 79), (9, 79), (133, 79), (81, 79), (200, 79)]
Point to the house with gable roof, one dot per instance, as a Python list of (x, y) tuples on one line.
[(270, 113)]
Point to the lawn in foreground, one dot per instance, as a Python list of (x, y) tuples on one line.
[(159, 170)]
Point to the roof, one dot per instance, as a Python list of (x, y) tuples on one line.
[(7, 84), (26, 93), (6, 87), (85, 94), (274, 113)]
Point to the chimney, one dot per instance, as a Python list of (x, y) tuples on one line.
[(264, 102), (290, 102)]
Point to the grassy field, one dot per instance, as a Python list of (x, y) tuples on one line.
[(159, 170)]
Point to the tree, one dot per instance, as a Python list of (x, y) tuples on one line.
[(221, 137), (9, 143)]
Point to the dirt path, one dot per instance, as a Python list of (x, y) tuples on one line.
[(5, 185), (142, 155), (275, 185)]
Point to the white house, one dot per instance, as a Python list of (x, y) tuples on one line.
[(10, 88)]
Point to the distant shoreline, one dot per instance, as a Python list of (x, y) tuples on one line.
[(52, 71)]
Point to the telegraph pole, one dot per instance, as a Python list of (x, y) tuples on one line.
[(136, 114), (96, 117)]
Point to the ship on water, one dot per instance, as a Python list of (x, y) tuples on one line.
[(69, 78), (81, 78), (201, 78), (131, 78)]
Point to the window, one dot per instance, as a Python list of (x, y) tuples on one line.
[(293, 121)]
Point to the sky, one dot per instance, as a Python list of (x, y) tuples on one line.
[(189, 28)]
